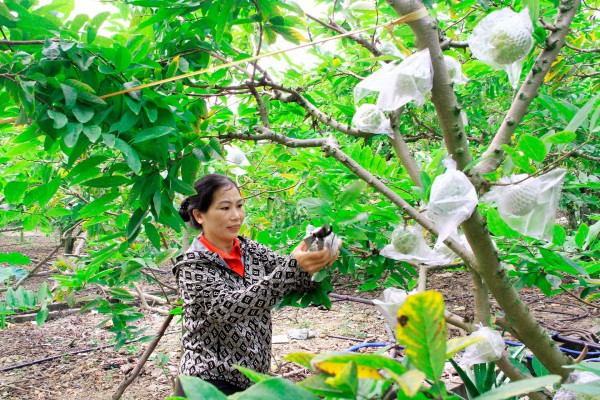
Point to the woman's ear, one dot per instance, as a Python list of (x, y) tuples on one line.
[(197, 216)]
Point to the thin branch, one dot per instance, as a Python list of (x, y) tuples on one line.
[(39, 265), (295, 185), (318, 114), (580, 50), (357, 38), (125, 384), (587, 303), (262, 110)]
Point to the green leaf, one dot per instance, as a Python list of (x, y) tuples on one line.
[(317, 385), (300, 358), (315, 206), (581, 115), (7, 272), (60, 119), (70, 95), (559, 236), (273, 389), (422, 329), (520, 387), (253, 375), (351, 192), (92, 132), (107, 181), (98, 206), (133, 227), (82, 113), (538, 367), (582, 234), (152, 133), (197, 389), (152, 235), (41, 316), (562, 137), (131, 156), (558, 261), (532, 147), (72, 136), (14, 191), (588, 388), (122, 59)]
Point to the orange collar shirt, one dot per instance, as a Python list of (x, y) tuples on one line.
[(233, 259)]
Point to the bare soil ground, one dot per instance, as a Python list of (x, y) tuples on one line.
[(96, 374)]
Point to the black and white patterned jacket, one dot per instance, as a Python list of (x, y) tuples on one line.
[(227, 317)]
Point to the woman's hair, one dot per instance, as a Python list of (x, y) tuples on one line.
[(205, 190)]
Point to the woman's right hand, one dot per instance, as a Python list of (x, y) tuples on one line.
[(314, 261)]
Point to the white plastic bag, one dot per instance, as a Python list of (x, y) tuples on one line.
[(391, 301), (411, 80), (446, 255), (452, 201), (502, 40), (408, 244), (529, 205), (577, 377), (487, 350), (369, 118), (235, 156)]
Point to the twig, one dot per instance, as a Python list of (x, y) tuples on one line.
[(39, 265), (577, 297), (144, 304), (295, 185), (125, 384)]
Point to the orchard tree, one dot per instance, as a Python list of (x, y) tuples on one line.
[(107, 121)]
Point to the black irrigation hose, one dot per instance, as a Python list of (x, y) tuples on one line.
[(70, 354)]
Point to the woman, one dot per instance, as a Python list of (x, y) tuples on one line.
[(228, 285)]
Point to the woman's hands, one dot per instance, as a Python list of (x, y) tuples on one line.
[(314, 261)]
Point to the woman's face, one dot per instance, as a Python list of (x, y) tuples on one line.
[(222, 221)]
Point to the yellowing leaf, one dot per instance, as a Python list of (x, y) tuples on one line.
[(422, 329), (367, 365), (409, 382), (289, 176), (455, 345)]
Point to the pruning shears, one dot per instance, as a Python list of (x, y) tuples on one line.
[(318, 236)]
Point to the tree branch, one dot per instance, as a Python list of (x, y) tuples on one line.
[(402, 151), (357, 38), (267, 134), (318, 114), (494, 155)]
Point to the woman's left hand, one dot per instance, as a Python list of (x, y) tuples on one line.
[(314, 261)]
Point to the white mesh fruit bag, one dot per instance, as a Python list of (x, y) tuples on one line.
[(411, 80), (502, 40), (528, 205), (487, 350), (408, 244), (369, 118), (452, 201), (446, 255)]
